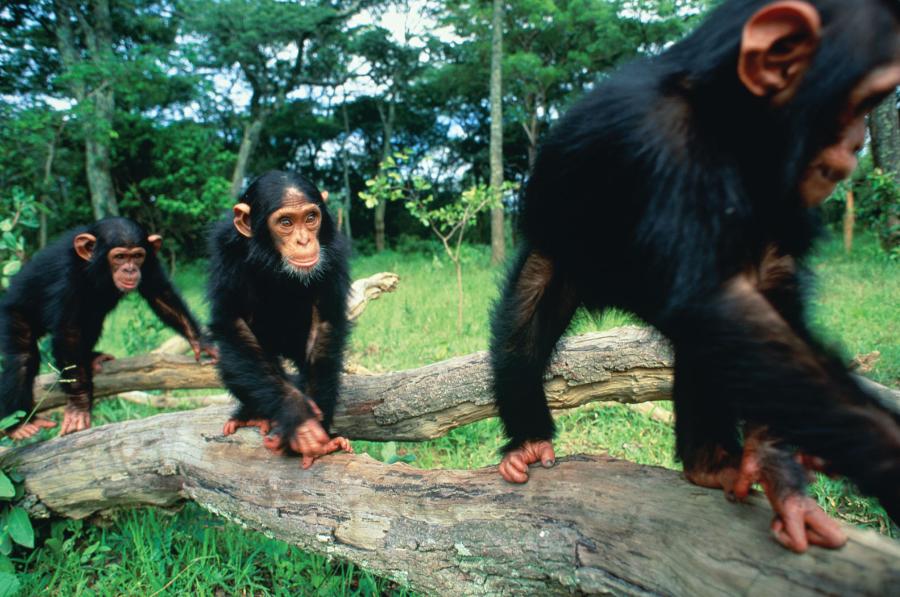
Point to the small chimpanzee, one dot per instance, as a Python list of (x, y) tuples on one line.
[(67, 289), (278, 288), (680, 189)]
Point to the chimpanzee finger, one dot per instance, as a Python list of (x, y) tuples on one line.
[(230, 427), (823, 530), (307, 461), (546, 454), (315, 409), (790, 530), (272, 443)]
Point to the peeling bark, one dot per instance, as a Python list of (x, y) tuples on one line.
[(592, 525)]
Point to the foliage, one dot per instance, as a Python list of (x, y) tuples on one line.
[(15, 526), (881, 208), (184, 188), (24, 211), (397, 181)]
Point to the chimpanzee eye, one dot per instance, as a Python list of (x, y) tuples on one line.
[(285, 221), (312, 218)]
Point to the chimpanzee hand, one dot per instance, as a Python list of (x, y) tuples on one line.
[(30, 428), (204, 348), (99, 359), (799, 521), (514, 466), (309, 440), (75, 418)]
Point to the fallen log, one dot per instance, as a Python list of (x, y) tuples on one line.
[(592, 525), (626, 365)]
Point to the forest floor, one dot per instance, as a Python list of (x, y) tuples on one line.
[(157, 552)]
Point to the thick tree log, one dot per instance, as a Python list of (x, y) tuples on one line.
[(593, 525), (627, 365)]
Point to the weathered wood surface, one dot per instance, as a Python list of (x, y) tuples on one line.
[(626, 364), (593, 525)]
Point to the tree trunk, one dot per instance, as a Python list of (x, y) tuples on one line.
[(345, 163), (252, 131), (849, 222), (97, 125), (591, 525), (884, 128), (498, 240), (387, 124)]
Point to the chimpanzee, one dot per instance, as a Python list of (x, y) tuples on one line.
[(67, 289), (680, 189), (278, 287)]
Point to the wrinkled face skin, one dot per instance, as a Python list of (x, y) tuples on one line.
[(295, 233), (125, 264), (837, 162)]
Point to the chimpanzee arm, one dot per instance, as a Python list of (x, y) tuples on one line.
[(324, 357), (534, 310), (72, 347), (766, 374), (257, 379), (168, 305)]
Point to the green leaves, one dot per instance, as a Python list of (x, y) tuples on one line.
[(19, 527)]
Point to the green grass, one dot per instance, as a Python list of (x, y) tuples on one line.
[(150, 551)]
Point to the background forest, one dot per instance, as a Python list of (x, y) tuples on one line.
[(163, 110)]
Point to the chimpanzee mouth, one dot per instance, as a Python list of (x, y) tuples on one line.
[(305, 271), (128, 284)]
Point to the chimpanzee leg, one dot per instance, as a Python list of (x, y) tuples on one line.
[(534, 310), (21, 361)]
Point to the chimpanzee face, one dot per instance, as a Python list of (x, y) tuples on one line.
[(295, 231), (124, 261), (837, 161), (125, 265)]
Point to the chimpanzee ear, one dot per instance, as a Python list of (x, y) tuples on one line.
[(155, 241), (242, 219), (84, 245), (777, 47), (324, 196)]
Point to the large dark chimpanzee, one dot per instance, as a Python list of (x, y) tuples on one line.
[(278, 288), (67, 289), (680, 189)]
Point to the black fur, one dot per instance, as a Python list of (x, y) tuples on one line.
[(249, 292), (59, 293), (661, 185)]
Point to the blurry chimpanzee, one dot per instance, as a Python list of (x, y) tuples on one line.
[(278, 288), (680, 189), (67, 289)]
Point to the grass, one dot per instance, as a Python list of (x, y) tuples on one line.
[(152, 551)]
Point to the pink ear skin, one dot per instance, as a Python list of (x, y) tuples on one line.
[(84, 245), (155, 241), (242, 219), (324, 196), (777, 46)]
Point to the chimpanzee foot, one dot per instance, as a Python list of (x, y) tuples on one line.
[(75, 419), (99, 359), (232, 425), (30, 428), (514, 466)]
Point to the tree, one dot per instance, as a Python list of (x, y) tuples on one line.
[(884, 128), (396, 182), (498, 242), (275, 48), (91, 53)]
